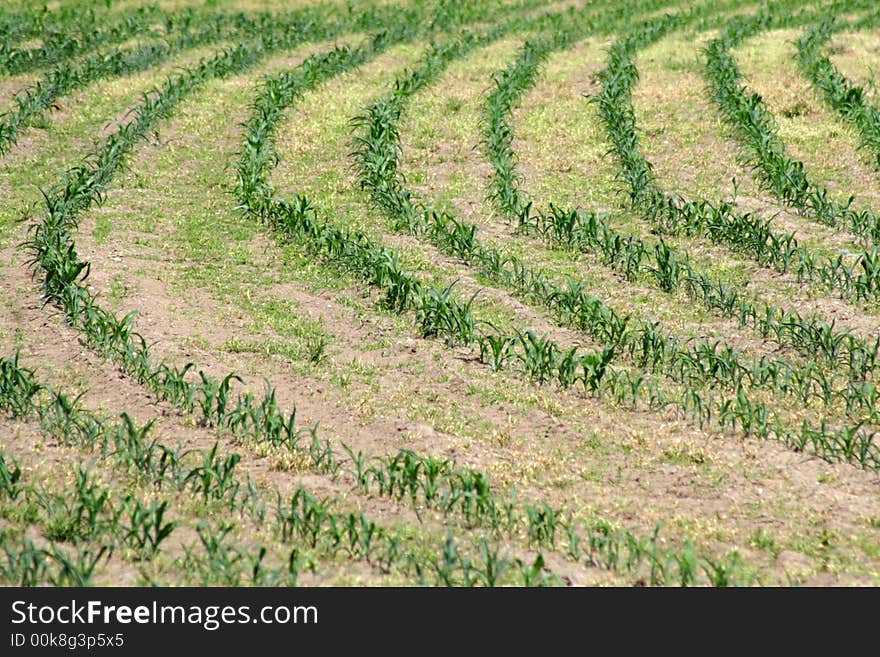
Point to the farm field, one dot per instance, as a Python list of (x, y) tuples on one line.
[(422, 292)]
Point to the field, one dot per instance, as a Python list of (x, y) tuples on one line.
[(422, 292)]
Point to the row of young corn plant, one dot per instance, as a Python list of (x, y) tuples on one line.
[(438, 484), (571, 304), (846, 98), (426, 481), (541, 359), (430, 482), (61, 270), (310, 523), (129, 446), (280, 92), (855, 279), (586, 231), (48, 25), (89, 514), (82, 517), (64, 41), (452, 14), (705, 361), (216, 397), (273, 32), (62, 273), (778, 172), (378, 148), (434, 483), (16, 26)]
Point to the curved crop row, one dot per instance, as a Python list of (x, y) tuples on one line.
[(49, 26), (378, 148), (822, 401), (266, 31), (404, 474), (60, 272), (751, 235), (261, 421), (846, 98), (779, 172), (590, 232), (64, 41), (645, 341), (309, 520)]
